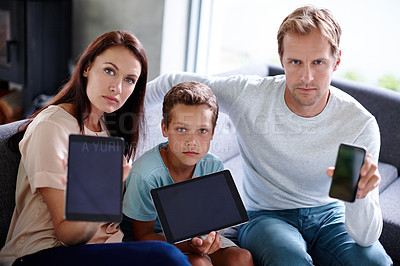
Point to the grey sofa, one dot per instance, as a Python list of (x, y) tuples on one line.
[(9, 162), (382, 103)]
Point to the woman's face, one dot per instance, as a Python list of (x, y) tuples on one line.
[(111, 79)]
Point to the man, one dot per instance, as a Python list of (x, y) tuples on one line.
[(289, 129)]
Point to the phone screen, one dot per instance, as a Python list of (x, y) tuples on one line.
[(347, 172)]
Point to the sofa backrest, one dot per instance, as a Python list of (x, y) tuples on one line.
[(383, 103), (9, 162)]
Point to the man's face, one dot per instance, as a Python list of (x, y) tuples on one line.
[(308, 64)]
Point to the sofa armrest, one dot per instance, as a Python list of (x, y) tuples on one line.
[(9, 162)]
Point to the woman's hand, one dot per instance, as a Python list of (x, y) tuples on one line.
[(68, 232), (72, 232)]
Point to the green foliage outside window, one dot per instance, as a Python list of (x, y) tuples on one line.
[(387, 81), (390, 82), (353, 75)]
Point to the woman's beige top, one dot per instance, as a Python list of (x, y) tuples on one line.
[(43, 149)]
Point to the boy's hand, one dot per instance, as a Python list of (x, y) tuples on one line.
[(207, 246)]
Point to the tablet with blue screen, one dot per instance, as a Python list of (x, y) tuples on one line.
[(198, 206), (94, 186)]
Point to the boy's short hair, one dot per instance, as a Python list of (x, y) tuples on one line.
[(189, 93)]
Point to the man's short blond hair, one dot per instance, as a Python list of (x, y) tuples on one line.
[(304, 20)]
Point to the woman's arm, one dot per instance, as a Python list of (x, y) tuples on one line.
[(68, 232)]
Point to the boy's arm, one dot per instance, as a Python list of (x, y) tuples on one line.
[(144, 231)]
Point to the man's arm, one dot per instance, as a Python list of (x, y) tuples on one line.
[(226, 89), (363, 217)]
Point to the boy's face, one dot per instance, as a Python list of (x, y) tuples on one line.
[(189, 133)]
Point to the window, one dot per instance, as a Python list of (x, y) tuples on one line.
[(234, 33)]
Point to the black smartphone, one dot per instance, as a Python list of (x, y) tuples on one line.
[(345, 178)]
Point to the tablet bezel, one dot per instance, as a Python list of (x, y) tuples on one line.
[(70, 213), (163, 219)]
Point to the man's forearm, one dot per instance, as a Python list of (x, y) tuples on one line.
[(364, 219)]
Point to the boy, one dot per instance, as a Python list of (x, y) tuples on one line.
[(190, 112)]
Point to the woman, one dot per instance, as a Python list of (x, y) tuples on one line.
[(103, 97)]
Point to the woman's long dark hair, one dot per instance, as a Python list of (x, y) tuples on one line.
[(125, 122)]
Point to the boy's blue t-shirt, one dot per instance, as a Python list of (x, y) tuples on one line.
[(149, 172)]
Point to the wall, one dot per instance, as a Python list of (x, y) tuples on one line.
[(144, 18)]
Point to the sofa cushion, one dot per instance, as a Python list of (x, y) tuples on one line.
[(224, 143), (388, 173), (152, 134), (389, 201), (234, 165), (9, 162)]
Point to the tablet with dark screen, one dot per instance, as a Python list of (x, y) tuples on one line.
[(198, 206), (94, 186)]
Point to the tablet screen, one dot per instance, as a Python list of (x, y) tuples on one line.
[(199, 205), (94, 187)]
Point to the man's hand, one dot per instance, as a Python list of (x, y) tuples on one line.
[(370, 177), (207, 246)]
